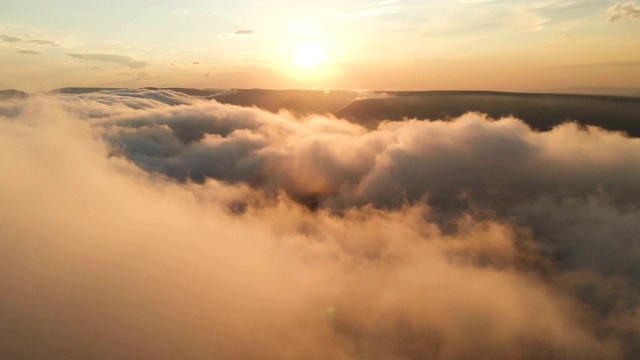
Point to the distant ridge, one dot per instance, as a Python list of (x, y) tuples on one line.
[(12, 94), (613, 91), (297, 101), (541, 111), (88, 90), (80, 90), (189, 91)]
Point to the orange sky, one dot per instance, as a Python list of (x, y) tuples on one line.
[(376, 45)]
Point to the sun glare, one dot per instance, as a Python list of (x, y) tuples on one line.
[(309, 54)]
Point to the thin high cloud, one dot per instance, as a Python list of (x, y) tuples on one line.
[(14, 39), (111, 58), (246, 33), (29, 52), (469, 238), (624, 11), (10, 39)]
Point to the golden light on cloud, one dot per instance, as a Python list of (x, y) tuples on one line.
[(309, 54)]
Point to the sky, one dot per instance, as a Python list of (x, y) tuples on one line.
[(373, 45)]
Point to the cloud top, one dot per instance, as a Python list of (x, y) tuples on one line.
[(624, 11)]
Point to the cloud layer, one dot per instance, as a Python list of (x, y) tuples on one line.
[(150, 224)]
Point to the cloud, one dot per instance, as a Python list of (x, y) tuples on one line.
[(624, 11), (29, 52), (13, 39), (245, 32), (239, 34), (10, 39), (469, 238), (42, 42), (111, 58)]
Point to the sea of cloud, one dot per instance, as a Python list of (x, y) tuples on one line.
[(147, 224)]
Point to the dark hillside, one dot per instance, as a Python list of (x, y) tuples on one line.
[(540, 111), (12, 94), (297, 101)]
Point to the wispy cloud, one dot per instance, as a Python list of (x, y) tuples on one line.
[(239, 34), (624, 11), (42, 42), (15, 39), (111, 58), (10, 39), (29, 52)]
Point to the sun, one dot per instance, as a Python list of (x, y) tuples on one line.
[(309, 54)]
